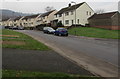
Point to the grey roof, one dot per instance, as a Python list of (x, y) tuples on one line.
[(31, 16), (47, 13), (11, 19), (18, 18), (103, 15), (69, 8)]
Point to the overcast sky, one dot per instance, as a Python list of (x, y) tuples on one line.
[(38, 6)]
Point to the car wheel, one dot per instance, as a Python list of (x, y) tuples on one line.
[(66, 34), (59, 34)]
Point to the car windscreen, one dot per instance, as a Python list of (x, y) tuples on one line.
[(62, 29)]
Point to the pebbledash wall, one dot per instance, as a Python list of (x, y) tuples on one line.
[(112, 23)]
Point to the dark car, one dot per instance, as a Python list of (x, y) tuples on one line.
[(61, 32)]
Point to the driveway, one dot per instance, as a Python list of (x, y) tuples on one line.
[(42, 61), (99, 56)]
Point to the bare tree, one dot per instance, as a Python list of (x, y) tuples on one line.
[(99, 11), (119, 6), (48, 8)]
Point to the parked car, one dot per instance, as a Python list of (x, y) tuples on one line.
[(61, 32), (48, 30), (13, 28), (20, 28)]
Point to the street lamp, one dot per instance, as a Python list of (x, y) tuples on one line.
[(75, 14)]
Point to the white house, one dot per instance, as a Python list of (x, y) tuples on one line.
[(47, 17), (11, 22), (30, 21), (18, 21), (5, 22), (74, 14)]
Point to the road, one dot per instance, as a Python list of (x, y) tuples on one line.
[(99, 56)]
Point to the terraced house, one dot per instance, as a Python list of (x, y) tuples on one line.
[(31, 21), (18, 21), (74, 14), (5, 22), (11, 22), (48, 17)]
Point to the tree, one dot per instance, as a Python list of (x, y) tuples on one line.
[(48, 8), (99, 11)]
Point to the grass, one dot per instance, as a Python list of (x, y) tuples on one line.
[(95, 32), (16, 73), (30, 43)]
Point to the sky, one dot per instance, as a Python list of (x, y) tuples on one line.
[(38, 6)]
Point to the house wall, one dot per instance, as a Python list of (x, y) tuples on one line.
[(51, 16), (109, 23), (101, 23), (83, 13)]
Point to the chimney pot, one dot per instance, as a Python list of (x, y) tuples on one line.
[(69, 5)]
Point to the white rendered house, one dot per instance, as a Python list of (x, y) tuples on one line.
[(74, 14)]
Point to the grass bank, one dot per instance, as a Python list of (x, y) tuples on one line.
[(14, 73), (95, 32), (13, 39)]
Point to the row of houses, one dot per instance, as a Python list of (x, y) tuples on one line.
[(79, 14), (30, 21)]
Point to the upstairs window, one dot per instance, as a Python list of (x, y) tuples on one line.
[(67, 13), (56, 16), (43, 17), (60, 15), (87, 13)]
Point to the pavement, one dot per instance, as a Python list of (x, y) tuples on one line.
[(95, 55), (42, 61)]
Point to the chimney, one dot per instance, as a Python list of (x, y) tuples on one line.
[(69, 5)]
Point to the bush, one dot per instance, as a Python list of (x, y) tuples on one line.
[(59, 24)]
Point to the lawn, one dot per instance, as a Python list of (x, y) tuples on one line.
[(13, 39), (55, 75), (94, 32)]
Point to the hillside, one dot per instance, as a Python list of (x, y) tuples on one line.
[(5, 14)]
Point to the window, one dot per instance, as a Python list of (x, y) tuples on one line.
[(72, 22), (71, 12), (67, 13), (66, 21), (60, 15), (87, 12), (78, 21), (56, 16), (43, 17)]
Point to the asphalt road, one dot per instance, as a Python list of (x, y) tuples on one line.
[(42, 61), (79, 48)]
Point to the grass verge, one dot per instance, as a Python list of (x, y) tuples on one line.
[(16, 38), (14, 73), (95, 32)]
